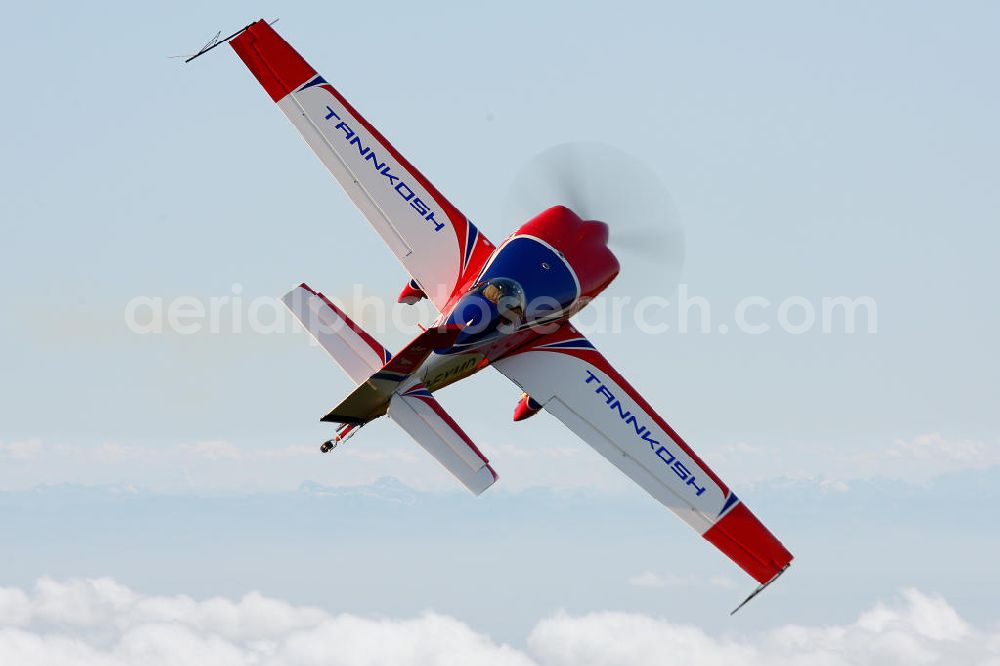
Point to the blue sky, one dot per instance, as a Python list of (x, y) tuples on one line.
[(810, 150)]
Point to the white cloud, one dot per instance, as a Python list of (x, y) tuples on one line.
[(100, 622), (80, 603), (918, 629), (212, 450), (21, 450), (658, 581), (212, 466), (103, 623), (942, 454), (653, 580), (930, 616), (722, 582), (225, 466), (15, 607), (919, 459)]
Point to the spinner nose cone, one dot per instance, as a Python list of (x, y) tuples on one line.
[(602, 263), (597, 234), (594, 231)]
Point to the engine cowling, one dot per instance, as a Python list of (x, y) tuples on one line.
[(526, 407)]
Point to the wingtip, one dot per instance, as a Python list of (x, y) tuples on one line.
[(217, 41), (760, 588)]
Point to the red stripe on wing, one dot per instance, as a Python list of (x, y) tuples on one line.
[(278, 67), (596, 359), (369, 340), (745, 540), (281, 70), (436, 406), (459, 223)]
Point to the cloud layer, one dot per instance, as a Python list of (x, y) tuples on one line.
[(100, 622), (219, 465)]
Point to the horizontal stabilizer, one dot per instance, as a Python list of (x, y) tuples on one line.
[(422, 417)]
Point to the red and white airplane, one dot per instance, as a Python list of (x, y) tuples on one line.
[(507, 306)]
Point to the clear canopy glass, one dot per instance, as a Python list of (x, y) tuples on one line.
[(506, 294)]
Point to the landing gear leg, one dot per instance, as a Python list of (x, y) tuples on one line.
[(345, 432)]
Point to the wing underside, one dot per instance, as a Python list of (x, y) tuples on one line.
[(575, 383), (439, 247)]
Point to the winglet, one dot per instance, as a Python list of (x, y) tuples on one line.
[(760, 588)]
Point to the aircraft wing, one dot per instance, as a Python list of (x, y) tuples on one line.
[(576, 384), (439, 247)]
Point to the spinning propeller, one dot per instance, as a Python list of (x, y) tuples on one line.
[(600, 182)]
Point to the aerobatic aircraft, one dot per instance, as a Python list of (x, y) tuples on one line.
[(506, 306)]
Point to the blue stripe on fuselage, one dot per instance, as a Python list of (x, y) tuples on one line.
[(523, 259)]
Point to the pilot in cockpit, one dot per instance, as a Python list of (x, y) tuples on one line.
[(507, 295)]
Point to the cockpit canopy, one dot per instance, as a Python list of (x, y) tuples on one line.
[(506, 294), (490, 308)]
